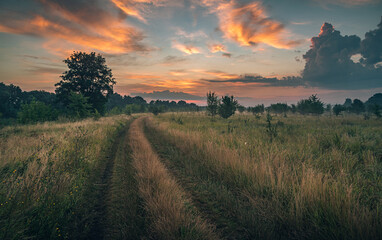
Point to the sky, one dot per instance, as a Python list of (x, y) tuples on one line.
[(259, 51)]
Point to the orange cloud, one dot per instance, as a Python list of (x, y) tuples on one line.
[(217, 48), (128, 10), (249, 24), (217, 74), (188, 49), (75, 29), (141, 9)]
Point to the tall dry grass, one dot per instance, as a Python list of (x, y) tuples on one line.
[(46, 173), (307, 191), (170, 213)]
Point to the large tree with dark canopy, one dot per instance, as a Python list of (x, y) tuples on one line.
[(88, 75)]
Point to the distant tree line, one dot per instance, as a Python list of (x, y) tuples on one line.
[(85, 90), (312, 106), (40, 106)]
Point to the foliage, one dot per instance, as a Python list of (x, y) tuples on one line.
[(240, 108), (338, 108), (36, 112), (78, 106), (154, 109), (312, 105), (357, 106), (257, 109), (212, 104), (375, 109), (89, 75), (279, 108), (376, 99), (227, 106), (10, 100), (328, 108), (293, 108)]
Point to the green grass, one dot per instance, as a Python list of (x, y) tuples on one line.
[(48, 176), (189, 176), (319, 177)]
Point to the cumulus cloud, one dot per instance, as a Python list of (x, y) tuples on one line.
[(93, 25), (329, 64), (371, 46), (248, 24)]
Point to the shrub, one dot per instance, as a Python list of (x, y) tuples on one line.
[(227, 106), (311, 105), (36, 112)]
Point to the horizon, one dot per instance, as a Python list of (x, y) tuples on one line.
[(260, 52)]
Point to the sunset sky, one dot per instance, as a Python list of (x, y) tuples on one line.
[(260, 51)]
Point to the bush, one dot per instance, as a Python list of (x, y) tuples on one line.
[(311, 105), (338, 108), (227, 106), (212, 104), (36, 112)]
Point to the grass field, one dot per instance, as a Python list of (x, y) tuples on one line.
[(190, 176)]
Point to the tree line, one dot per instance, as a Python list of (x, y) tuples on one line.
[(85, 90), (227, 105)]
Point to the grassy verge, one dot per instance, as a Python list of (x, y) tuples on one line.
[(48, 173), (298, 188), (170, 214)]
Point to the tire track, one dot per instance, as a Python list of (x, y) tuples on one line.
[(228, 207), (171, 214), (102, 187)]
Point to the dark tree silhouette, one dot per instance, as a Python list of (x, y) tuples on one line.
[(357, 106), (227, 106), (212, 103), (311, 105), (88, 75), (338, 108), (256, 109)]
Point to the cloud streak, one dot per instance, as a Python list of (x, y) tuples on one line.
[(248, 24), (77, 24), (187, 48)]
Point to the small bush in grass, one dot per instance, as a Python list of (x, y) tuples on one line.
[(227, 106)]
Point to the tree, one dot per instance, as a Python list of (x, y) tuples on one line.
[(227, 106), (279, 108), (338, 108), (212, 104), (311, 105), (89, 76), (10, 100), (78, 106), (240, 108), (257, 109), (357, 106), (155, 109)]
